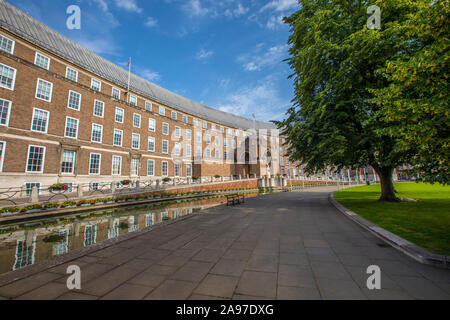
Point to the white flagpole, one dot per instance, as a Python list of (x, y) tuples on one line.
[(129, 73)]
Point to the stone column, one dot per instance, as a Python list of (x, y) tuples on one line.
[(80, 191), (137, 185), (157, 183), (113, 187), (34, 195)]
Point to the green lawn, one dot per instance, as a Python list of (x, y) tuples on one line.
[(425, 223)]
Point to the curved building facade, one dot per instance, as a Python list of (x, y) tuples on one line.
[(68, 115)]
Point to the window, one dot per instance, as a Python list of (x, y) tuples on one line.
[(24, 253), (188, 150), (229, 132), (177, 132), (2, 154), (71, 130), (40, 120), (208, 139), (281, 160), (116, 165), (115, 93), (225, 142), (90, 235), (136, 120), (162, 110), (133, 100), (165, 129), (68, 162), (36, 159), (213, 127), (71, 74), (135, 141), (164, 169), (119, 115), (117, 140), (151, 144), (195, 122), (188, 134), (208, 153), (150, 168), (177, 169), (287, 161), (177, 149), (165, 146), (199, 136), (97, 131), (95, 163), (6, 44), (44, 90), (74, 100), (5, 107), (96, 85), (198, 151), (148, 106), (217, 154), (225, 155), (188, 170), (29, 187), (99, 108), (185, 118), (174, 115), (7, 77), (233, 144), (217, 141), (205, 125), (151, 125), (134, 167), (222, 130), (42, 61)]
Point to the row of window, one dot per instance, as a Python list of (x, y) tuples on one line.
[(36, 160), (45, 88)]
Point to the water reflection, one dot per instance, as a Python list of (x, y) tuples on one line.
[(33, 242)]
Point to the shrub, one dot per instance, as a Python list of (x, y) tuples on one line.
[(9, 209), (217, 176), (51, 205), (58, 187), (125, 182), (31, 207), (166, 179), (195, 178), (68, 204)]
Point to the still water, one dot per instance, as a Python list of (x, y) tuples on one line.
[(29, 243)]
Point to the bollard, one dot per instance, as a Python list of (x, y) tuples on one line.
[(34, 195), (80, 191), (137, 184), (157, 183), (174, 181), (231, 178), (113, 187)]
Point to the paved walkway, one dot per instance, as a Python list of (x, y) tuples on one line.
[(280, 246)]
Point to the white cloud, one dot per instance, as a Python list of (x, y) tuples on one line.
[(99, 46), (274, 22), (151, 22), (262, 99), (149, 75), (203, 54), (271, 57), (237, 12), (281, 5), (128, 5), (102, 4), (194, 8)]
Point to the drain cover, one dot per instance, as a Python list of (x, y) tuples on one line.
[(383, 245)]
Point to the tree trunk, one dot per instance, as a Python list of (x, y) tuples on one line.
[(387, 186)]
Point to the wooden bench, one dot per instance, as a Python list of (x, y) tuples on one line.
[(235, 198)]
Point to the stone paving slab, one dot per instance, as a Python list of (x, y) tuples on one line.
[(280, 246)]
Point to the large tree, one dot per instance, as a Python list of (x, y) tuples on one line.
[(335, 58), (416, 103)]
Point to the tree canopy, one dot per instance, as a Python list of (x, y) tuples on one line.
[(338, 66)]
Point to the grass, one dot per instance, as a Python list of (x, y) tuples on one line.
[(425, 223)]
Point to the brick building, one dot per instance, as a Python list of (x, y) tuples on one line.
[(68, 116)]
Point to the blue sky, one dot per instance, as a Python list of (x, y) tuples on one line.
[(227, 54)]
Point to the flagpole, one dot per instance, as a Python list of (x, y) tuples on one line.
[(129, 73)]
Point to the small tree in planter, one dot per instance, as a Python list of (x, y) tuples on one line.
[(166, 179), (125, 182), (58, 187)]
